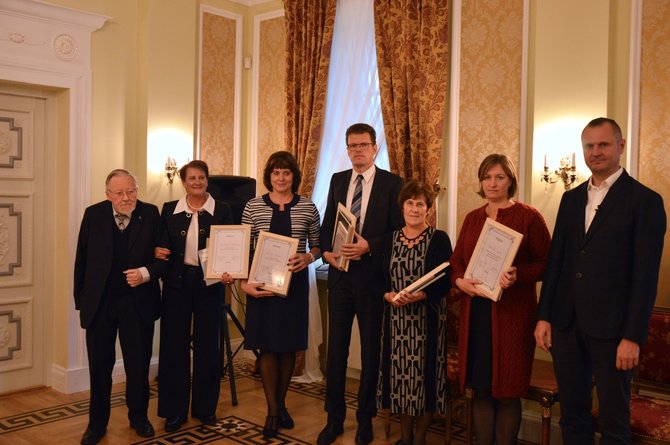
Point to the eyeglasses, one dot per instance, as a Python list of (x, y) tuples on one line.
[(361, 146), (129, 193)]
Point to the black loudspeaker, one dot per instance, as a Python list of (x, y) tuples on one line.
[(234, 191)]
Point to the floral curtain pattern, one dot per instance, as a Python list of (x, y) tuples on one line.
[(413, 58), (309, 35)]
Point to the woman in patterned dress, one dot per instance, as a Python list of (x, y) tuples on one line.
[(277, 326), (495, 342), (412, 375)]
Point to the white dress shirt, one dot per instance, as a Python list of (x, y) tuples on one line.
[(596, 196), (366, 183), (191, 249)]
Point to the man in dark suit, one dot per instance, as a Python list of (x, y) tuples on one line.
[(599, 288), (116, 289), (360, 291)]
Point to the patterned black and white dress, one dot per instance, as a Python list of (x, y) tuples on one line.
[(412, 374)]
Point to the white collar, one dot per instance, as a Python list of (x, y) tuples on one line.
[(182, 206), (607, 183), (367, 174)]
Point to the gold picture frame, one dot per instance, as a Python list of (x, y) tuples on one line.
[(494, 253), (228, 251), (270, 263)]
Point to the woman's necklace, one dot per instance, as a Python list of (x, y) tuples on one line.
[(193, 208), (411, 242)]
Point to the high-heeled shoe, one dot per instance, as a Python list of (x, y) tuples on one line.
[(271, 427), (285, 420)]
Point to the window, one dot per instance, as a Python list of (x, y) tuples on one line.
[(353, 93)]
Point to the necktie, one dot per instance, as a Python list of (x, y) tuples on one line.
[(121, 221), (356, 202)]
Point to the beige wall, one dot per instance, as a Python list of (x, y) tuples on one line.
[(490, 90), (654, 160)]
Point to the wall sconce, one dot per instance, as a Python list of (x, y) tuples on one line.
[(566, 172), (170, 169)]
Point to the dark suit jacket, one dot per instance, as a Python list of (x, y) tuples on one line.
[(382, 216), (95, 249), (174, 236), (606, 279)]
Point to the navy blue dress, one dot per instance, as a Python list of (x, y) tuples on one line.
[(275, 323)]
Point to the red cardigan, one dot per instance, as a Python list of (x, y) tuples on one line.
[(513, 316)]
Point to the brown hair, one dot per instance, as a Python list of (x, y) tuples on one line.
[(361, 128), (415, 189), (282, 159), (507, 166), (600, 121), (197, 164)]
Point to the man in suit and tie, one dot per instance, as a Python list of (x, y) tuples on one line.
[(599, 288), (116, 290), (371, 194)]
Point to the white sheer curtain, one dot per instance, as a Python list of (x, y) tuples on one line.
[(353, 96), (353, 92)]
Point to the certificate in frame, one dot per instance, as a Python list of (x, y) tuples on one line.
[(345, 225), (228, 251), (494, 253), (270, 263), (426, 280)]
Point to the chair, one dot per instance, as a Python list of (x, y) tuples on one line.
[(650, 398)]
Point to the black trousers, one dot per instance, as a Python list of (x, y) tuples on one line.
[(352, 296), (198, 307), (578, 360), (136, 337)]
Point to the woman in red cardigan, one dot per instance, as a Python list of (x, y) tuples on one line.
[(496, 345)]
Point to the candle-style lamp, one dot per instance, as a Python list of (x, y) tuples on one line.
[(566, 171)]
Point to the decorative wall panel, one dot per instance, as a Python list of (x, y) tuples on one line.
[(490, 91), (271, 92), (218, 88), (15, 240), (16, 129), (15, 335), (654, 161)]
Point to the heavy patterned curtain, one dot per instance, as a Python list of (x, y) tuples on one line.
[(309, 35), (413, 60)]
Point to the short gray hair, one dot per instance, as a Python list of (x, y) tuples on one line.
[(119, 172)]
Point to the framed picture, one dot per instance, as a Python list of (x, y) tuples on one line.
[(228, 251), (345, 226), (426, 280), (494, 253), (270, 263)]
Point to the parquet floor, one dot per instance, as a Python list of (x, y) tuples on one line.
[(44, 416)]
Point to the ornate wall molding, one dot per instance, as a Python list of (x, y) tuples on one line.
[(6, 144)]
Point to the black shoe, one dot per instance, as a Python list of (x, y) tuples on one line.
[(364, 433), (329, 433), (143, 428), (271, 427), (285, 420), (92, 436), (173, 424), (208, 420)]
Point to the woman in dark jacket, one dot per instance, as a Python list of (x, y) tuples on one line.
[(412, 375), (191, 310)]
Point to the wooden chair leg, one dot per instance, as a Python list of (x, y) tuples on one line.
[(469, 396), (447, 424), (387, 423)]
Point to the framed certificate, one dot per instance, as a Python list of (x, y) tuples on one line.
[(228, 251), (426, 280), (270, 263), (494, 253), (345, 226)]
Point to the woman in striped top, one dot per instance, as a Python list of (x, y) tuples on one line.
[(275, 325)]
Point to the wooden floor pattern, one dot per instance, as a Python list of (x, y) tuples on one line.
[(45, 416)]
